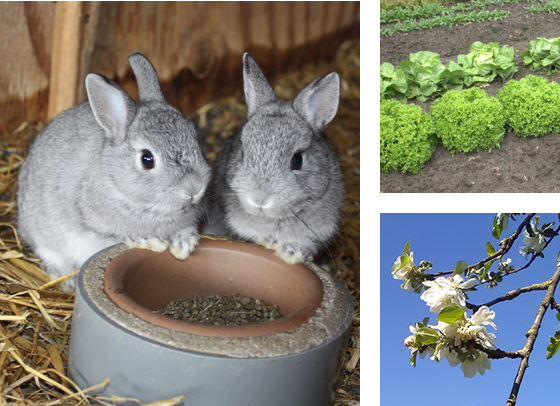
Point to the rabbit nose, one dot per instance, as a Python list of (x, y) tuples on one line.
[(261, 202), (195, 193)]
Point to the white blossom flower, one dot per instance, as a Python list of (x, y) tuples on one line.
[(413, 346), (445, 352), (479, 364), (505, 265), (532, 244), (503, 218), (403, 270), (478, 332), (445, 291), (483, 316), (408, 272)]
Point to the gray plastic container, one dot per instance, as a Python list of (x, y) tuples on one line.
[(150, 363)]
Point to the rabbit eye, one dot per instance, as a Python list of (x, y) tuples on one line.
[(296, 162), (147, 159)]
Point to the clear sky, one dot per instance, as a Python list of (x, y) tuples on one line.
[(445, 239)]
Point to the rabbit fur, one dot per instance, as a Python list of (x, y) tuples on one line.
[(88, 180), (259, 192)]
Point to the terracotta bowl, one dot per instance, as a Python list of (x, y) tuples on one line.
[(141, 281)]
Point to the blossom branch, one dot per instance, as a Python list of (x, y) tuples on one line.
[(532, 334), (496, 353), (505, 246), (535, 254), (512, 294)]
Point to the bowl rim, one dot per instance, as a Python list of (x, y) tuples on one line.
[(265, 272), (332, 319)]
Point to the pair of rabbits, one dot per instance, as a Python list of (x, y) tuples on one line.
[(114, 170)]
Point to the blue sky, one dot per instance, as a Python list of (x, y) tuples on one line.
[(445, 239)]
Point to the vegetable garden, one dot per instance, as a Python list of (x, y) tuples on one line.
[(483, 112)]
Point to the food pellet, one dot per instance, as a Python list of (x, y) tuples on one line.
[(220, 310)]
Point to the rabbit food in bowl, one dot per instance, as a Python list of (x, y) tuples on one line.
[(142, 282)]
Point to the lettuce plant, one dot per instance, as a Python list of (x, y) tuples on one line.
[(543, 53), (468, 120), (485, 61), (407, 137), (531, 106), (393, 83), (423, 76)]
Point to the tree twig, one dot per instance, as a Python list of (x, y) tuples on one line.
[(497, 353), (532, 334), (505, 246), (512, 294)]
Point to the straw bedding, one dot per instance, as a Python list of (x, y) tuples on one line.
[(36, 317)]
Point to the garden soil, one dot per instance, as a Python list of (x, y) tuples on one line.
[(524, 165)]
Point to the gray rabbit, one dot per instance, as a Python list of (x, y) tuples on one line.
[(278, 181), (113, 170)]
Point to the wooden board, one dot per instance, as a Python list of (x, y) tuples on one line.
[(196, 47)]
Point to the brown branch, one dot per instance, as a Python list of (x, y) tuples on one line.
[(555, 305), (505, 246), (497, 353), (532, 334), (512, 294)]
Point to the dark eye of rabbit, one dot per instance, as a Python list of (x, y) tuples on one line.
[(147, 159), (296, 162)]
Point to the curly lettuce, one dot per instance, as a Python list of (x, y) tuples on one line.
[(407, 137), (531, 106), (468, 120)]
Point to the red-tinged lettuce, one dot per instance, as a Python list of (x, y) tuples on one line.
[(407, 137), (531, 106), (486, 61), (543, 53), (468, 120)]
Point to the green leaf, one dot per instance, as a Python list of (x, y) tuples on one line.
[(406, 250), (490, 249), (426, 335), (451, 313), (460, 268), (558, 316), (413, 355), (497, 228), (553, 345)]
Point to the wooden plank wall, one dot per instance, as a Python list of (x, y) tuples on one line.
[(196, 47)]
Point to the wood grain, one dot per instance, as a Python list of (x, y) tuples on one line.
[(196, 47)]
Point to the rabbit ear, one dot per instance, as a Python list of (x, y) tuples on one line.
[(112, 107), (149, 88), (257, 90), (318, 102)]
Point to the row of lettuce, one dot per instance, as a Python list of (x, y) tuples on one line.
[(432, 9), (424, 76), (430, 15), (444, 21), (466, 121)]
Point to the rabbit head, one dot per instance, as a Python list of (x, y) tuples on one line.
[(283, 163), (151, 154)]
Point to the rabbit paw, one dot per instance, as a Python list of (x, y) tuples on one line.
[(287, 253), (183, 248), (271, 245), (152, 244)]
